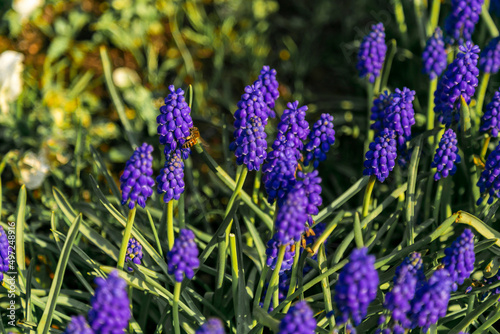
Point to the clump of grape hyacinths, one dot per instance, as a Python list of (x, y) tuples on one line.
[(171, 178), (489, 59), (136, 182), (293, 128), (298, 320), (399, 115), (250, 143), (311, 183), (459, 258), (174, 122), (434, 55), (291, 218), (321, 138), (269, 88), (371, 53), (356, 287), (446, 156), (460, 78), (4, 253), (78, 325), (431, 300), (381, 157), (490, 121), (183, 258), (378, 111), (272, 251), (134, 252), (489, 181), (110, 311), (461, 21), (211, 326)]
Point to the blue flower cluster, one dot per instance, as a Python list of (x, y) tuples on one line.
[(136, 182), (292, 128), (134, 252), (491, 117), (381, 157), (461, 21), (78, 325), (399, 115), (279, 177), (211, 326), (356, 287), (272, 255), (311, 183), (269, 88), (321, 138), (459, 258), (489, 59), (446, 156), (4, 253), (378, 111), (171, 178), (489, 181), (434, 55), (291, 218), (298, 320), (372, 52), (182, 259), (460, 78)]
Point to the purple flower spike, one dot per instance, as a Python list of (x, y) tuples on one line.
[(380, 159), (460, 78), (174, 122), (311, 183), (298, 320), (461, 21), (491, 117), (272, 256), (489, 59), (434, 56), (291, 218), (136, 182), (446, 156), (371, 54), (4, 253), (293, 127), (250, 119), (489, 181), (110, 311), (269, 88), (134, 252), (378, 111), (431, 300), (320, 139), (279, 173), (183, 258), (356, 287), (400, 115), (171, 178), (212, 326), (78, 325), (459, 258)]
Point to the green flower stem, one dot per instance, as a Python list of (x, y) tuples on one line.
[(491, 321), (170, 224), (325, 284), (486, 143), (411, 195), (437, 201), (221, 269), (358, 234), (155, 234), (480, 98), (293, 278), (430, 107), (175, 307), (126, 237), (370, 90), (260, 287), (326, 233), (368, 195), (273, 283), (243, 172), (380, 85), (492, 28), (433, 22), (400, 18), (234, 267), (181, 207)]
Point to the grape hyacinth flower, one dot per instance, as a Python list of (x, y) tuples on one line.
[(183, 258), (459, 258), (134, 252), (4, 253), (490, 121), (272, 251), (136, 182), (298, 320), (211, 326), (431, 300), (110, 312), (171, 178), (399, 115), (311, 183), (291, 218), (371, 53), (250, 143), (446, 156), (489, 59), (461, 21), (434, 55), (279, 174), (460, 78), (174, 122), (321, 138), (356, 287), (78, 325), (269, 88), (489, 181), (293, 128), (378, 111), (380, 159)]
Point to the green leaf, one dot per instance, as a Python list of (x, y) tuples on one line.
[(20, 222), (479, 309), (483, 229)]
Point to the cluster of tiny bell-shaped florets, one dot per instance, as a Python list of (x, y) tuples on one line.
[(311, 183), (136, 182), (446, 156), (381, 157), (269, 88), (490, 121), (399, 114), (291, 218), (321, 138), (298, 320), (356, 287), (272, 251), (78, 325), (171, 179), (378, 111), (489, 181), (134, 252), (460, 79), (489, 59), (460, 23), (182, 259), (4, 253), (459, 258), (211, 326), (371, 53), (279, 173), (434, 55)]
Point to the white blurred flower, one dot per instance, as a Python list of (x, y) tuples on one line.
[(34, 169), (11, 81), (25, 7), (125, 77)]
